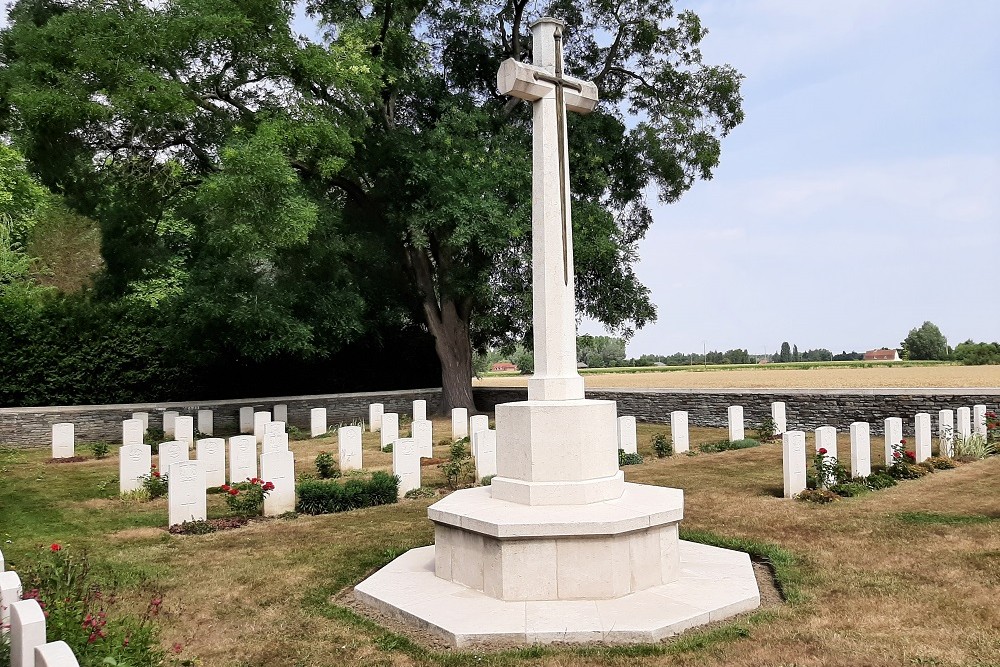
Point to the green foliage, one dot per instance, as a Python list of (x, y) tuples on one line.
[(194, 528), (420, 492), (326, 497), (486, 481), (876, 481), (628, 458), (600, 351), (460, 468), (925, 342), (246, 499), (155, 484), (326, 467), (821, 496), (82, 612), (786, 353), (907, 470), (828, 470), (977, 354), (727, 445), (662, 445), (849, 489), (765, 429), (974, 446), (524, 359), (940, 463), (100, 449), (935, 518)]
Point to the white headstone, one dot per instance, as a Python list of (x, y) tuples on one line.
[(144, 418), (246, 420), (486, 454), (778, 415), (477, 423), (405, 463), (279, 469), (317, 422), (861, 449), (184, 430), (132, 432), (2, 563), (186, 499), (679, 431), (27, 631), (459, 423), (172, 452), (63, 441), (419, 410), (893, 435), (275, 438), (169, 419), (242, 458), (946, 433), (793, 453), (134, 462), (375, 412), (55, 654), (922, 429), (349, 447), (626, 436), (279, 413), (422, 430), (10, 592), (206, 422), (979, 420), (826, 438), (212, 454), (963, 425), (736, 429), (390, 428), (260, 421)]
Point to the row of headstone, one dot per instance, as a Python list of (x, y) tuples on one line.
[(24, 622)]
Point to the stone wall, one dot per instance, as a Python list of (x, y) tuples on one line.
[(33, 426), (806, 408)]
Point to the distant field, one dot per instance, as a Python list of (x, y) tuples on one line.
[(833, 375)]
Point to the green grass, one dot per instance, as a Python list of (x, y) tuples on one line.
[(934, 518), (727, 445)]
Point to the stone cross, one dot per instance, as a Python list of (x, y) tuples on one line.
[(552, 93)]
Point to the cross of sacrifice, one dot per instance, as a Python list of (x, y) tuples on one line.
[(552, 93)]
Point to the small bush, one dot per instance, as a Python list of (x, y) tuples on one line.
[(246, 499), (850, 489), (100, 449), (154, 483), (460, 469), (974, 447), (940, 463), (326, 467), (154, 436), (420, 492), (765, 429), (821, 496), (192, 528), (388, 448), (486, 481), (905, 470), (877, 481), (628, 459), (727, 445), (662, 445), (327, 497)]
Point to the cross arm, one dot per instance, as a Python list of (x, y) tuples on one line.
[(531, 83)]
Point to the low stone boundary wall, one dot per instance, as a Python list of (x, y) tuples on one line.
[(33, 426), (806, 409)]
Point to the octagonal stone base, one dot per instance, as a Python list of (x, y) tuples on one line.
[(712, 584)]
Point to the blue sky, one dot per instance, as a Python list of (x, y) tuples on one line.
[(860, 197)]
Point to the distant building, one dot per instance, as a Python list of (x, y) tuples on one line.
[(502, 366), (884, 354)]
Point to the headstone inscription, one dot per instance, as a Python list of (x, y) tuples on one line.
[(186, 500), (246, 420), (390, 429), (375, 412), (422, 430), (275, 438), (63, 441), (132, 432), (779, 417), (419, 410), (242, 458), (349, 447), (946, 433), (922, 429), (171, 452), (317, 422), (963, 423), (486, 454), (406, 464), (206, 422), (736, 429), (144, 418), (826, 438), (134, 463), (793, 451), (627, 440), (184, 430), (893, 436), (260, 421), (861, 449), (278, 468), (212, 454), (679, 431), (459, 423), (169, 423)]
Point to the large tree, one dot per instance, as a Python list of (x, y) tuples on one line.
[(925, 342), (291, 191)]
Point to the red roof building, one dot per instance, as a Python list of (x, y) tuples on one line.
[(883, 354), (502, 366)]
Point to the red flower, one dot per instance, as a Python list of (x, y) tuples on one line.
[(903, 441), (177, 647), (224, 487), (234, 492), (92, 638), (156, 474), (822, 450), (897, 455), (55, 547), (269, 486)]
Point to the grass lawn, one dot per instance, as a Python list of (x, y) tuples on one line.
[(905, 576)]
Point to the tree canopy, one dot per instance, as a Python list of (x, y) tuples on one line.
[(926, 342), (287, 195)]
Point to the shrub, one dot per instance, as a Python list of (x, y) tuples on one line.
[(975, 446), (765, 429), (420, 492), (100, 449), (388, 448), (486, 481), (662, 445), (460, 469), (192, 528), (628, 459), (849, 489), (246, 499), (878, 480), (940, 463), (726, 445), (906, 470), (829, 471), (326, 497), (817, 496), (154, 483), (326, 467), (154, 436)]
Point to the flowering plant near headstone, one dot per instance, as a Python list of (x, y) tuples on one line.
[(81, 613), (992, 427), (155, 483), (246, 499), (829, 471)]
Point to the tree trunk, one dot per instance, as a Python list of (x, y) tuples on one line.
[(451, 340)]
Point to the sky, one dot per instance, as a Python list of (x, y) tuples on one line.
[(859, 198)]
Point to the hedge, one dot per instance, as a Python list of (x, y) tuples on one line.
[(329, 496)]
